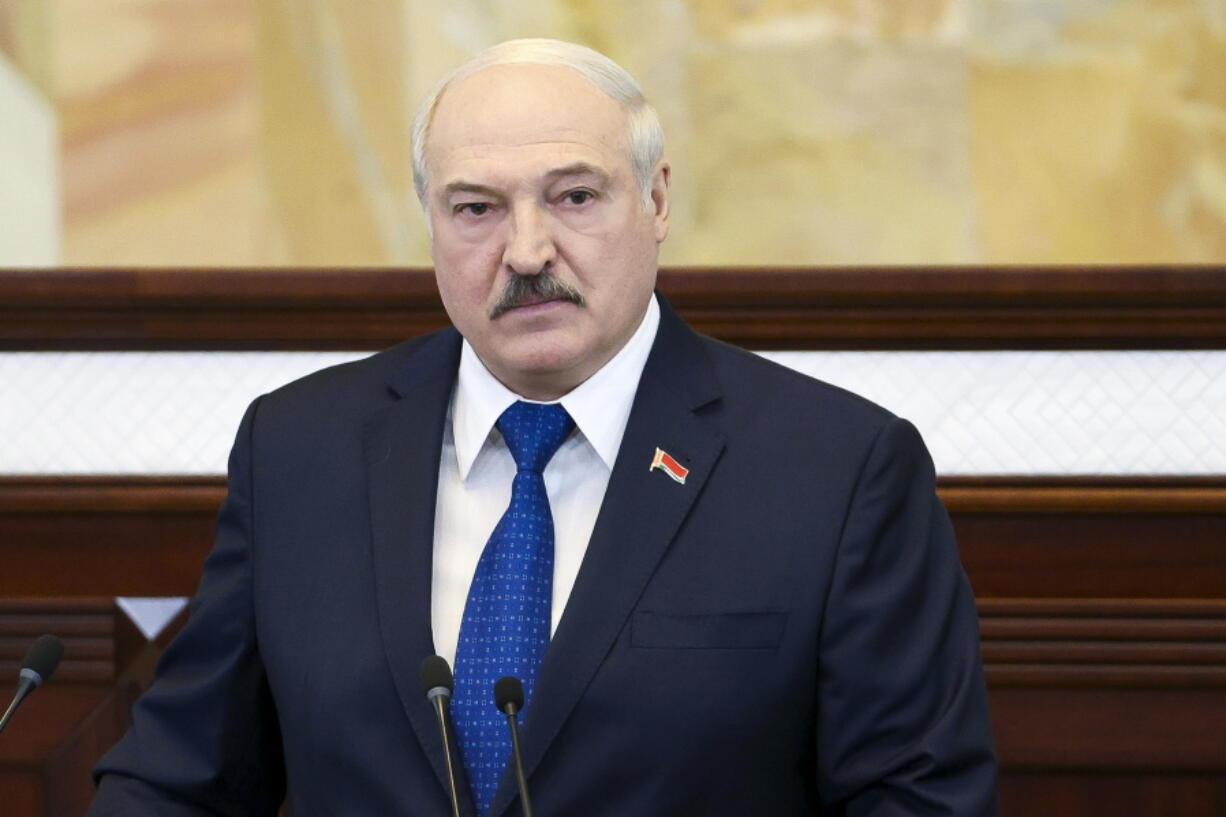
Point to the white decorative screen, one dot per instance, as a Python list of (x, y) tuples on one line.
[(1047, 412), (980, 412)]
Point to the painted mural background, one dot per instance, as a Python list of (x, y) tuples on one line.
[(261, 132)]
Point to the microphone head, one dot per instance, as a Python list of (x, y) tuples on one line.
[(508, 691), (436, 678), (42, 658)]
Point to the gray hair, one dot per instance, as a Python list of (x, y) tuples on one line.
[(646, 136)]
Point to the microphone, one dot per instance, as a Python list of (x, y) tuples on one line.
[(436, 684), (39, 664), (509, 698)]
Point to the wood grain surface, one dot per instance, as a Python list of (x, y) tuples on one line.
[(761, 308)]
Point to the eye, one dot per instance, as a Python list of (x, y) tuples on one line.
[(473, 208), (580, 196)]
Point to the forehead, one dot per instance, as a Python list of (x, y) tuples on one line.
[(513, 115)]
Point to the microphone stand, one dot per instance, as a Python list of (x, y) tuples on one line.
[(509, 698), (519, 763), (440, 710)]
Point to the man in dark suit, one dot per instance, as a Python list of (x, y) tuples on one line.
[(729, 589)]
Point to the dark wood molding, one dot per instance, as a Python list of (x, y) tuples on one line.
[(1091, 307), (987, 495), (87, 627), (1083, 495), (123, 494), (101, 643), (1104, 643)]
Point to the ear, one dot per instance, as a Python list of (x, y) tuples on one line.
[(659, 199)]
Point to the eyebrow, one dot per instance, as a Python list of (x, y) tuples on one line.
[(578, 169), (573, 169), (468, 187)]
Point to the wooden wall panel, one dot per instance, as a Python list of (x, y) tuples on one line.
[(1083, 793), (62, 728), (1108, 707), (1066, 555), (99, 536), (69, 784), (51, 744), (1105, 537), (97, 553), (87, 627), (788, 308), (1117, 644), (1118, 730)]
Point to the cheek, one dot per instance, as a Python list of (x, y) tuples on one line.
[(465, 271), (461, 240), (462, 295), (595, 254), (590, 222)]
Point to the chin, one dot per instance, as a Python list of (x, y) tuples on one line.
[(541, 350), (543, 363), (562, 368)]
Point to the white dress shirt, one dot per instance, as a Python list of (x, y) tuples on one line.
[(476, 470)]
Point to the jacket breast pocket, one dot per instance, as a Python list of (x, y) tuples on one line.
[(707, 631)]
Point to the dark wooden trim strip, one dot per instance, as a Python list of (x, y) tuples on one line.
[(1104, 643), (1098, 495), (87, 627), (135, 494), (1089, 608), (962, 495), (1105, 653), (1061, 629), (1105, 676), (764, 308)]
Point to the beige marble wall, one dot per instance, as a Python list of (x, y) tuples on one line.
[(25, 40), (160, 136), (29, 143), (29, 210), (334, 122), (801, 131)]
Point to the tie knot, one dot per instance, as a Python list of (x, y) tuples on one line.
[(533, 432)]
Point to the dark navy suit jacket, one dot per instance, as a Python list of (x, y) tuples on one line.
[(789, 632)]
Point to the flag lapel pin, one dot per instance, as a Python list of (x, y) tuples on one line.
[(664, 461)]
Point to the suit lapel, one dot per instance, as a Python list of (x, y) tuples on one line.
[(403, 443), (642, 512)]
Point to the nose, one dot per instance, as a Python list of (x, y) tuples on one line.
[(530, 246)]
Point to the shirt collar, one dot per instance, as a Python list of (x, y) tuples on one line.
[(600, 405)]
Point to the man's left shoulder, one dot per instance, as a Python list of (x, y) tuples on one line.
[(754, 385)]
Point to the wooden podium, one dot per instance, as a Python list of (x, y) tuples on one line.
[(61, 730)]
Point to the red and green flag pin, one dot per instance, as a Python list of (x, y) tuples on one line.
[(664, 461)]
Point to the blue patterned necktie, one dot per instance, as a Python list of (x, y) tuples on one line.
[(505, 628)]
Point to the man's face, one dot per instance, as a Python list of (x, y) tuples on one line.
[(531, 182)]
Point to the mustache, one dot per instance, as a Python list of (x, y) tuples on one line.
[(521, 290)]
